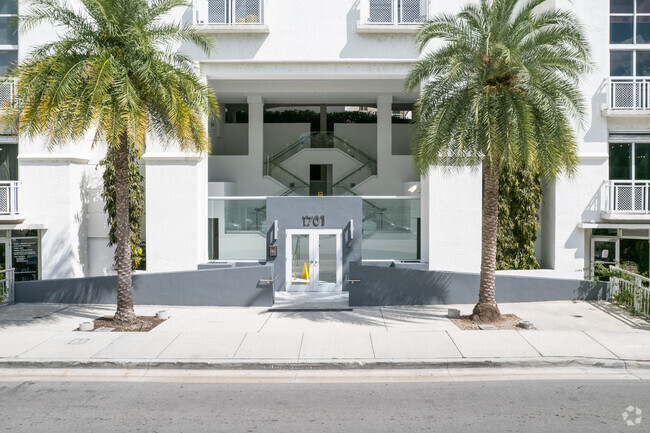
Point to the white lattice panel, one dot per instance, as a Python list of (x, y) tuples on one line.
[(639, 198), (6, 91), (247, 11), (623, 198), (4, 200), (217, 11), (623, 95), (412, 11), (381, 11)]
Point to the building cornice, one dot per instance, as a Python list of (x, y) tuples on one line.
[(169, 157), (72, 159)]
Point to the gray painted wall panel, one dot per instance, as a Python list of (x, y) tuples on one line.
[(382, 286), (338, 211), (238, 287)]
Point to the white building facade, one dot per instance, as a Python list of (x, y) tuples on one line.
[(286, 74)]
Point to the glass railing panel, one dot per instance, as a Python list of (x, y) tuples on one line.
[(237, 229), (391, 228)]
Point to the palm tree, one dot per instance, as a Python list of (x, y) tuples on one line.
[(113, 73), (500, 91)]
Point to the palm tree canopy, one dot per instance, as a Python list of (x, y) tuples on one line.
[(114, 71), (502, 87)]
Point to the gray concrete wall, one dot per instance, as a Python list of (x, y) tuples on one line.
[(236, 287), (381, 285), (338, 211)]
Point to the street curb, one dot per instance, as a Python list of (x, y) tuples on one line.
[(495, 363)]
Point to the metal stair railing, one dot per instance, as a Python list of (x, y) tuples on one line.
[(318, 140), (358, 175)]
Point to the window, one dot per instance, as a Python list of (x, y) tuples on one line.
[(397, 11), (25, 254), (629, 24), (8, 34), (629, 161)]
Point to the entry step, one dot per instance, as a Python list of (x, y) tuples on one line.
[(311, 301)]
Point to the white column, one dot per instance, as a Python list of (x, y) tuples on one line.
[(176, 186), (256, 133), (384, 134), (453, 201)]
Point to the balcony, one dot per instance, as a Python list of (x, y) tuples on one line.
[(627, 97), (10, 192), (626, 200), (230, 16), (392, 16)]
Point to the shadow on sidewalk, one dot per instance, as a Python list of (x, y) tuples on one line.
[(26, 315), (622, 315)]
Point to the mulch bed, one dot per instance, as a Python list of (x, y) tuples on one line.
[(507, 321), (144, 324)]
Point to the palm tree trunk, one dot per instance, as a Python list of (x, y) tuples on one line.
[(124, 314), (486, 310)]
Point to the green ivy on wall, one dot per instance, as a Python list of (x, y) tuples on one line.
[(520, 196), (136, 205)]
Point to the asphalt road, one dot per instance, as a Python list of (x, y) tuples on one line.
[(506, 406)]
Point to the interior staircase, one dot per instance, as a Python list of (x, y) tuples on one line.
[(276, 169)]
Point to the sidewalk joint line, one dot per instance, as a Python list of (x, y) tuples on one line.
[(602, 345), (238, 347), (302, 337), (521, 334), (167, 347), (462, 355), (37, 344), (372, 346), (109, 344), (265, 322)]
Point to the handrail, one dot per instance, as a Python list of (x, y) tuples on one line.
[(332, 140), (630, 289)]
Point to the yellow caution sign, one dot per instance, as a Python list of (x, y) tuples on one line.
[(305, 271)]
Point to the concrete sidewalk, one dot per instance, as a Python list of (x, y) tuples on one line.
[(568, 333)]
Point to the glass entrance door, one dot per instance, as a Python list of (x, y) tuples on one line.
[(314, 260)]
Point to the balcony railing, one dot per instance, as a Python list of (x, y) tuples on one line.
[(397, 11), (7, 89), (628, 93), (628, 196), (239, 12), (10, 198)]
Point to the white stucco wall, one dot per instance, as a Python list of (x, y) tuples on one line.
[(452, 214)]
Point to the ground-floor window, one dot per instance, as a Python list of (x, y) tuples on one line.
[(630, 248), (391, 229), (237, 229), (25, 254)]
